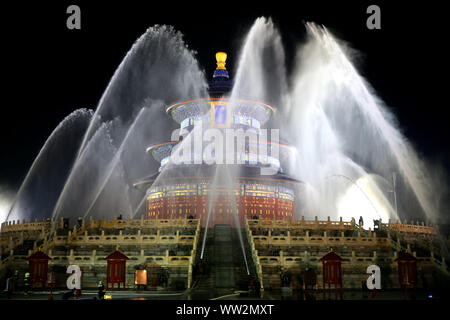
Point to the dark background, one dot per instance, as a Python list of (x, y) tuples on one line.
[(48, 71)]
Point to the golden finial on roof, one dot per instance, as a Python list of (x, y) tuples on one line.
[(331, 250), (221, 58)]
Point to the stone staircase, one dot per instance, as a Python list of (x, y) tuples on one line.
[(223, 256), (205, 281), (243, 274), (225, 268)]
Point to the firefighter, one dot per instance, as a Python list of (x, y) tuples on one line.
[(374, 293), (9, 287), (101, 290), (251, 286), (257, 289), (15, 280), (68, 295), (27, 283)]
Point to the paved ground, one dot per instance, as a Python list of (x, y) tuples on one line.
[(223, 294), (90, 294)]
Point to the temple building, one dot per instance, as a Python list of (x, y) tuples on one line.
[(183, 189), (242, 224)]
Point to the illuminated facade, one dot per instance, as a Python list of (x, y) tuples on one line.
[(183, 190), (253, 198)]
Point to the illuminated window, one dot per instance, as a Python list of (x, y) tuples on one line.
[(220, 114)]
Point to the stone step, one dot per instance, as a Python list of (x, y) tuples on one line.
[(224, 257)]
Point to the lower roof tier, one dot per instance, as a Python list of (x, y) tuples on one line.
[(207, 172), (250, 152)]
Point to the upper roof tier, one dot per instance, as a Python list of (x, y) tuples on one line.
[(191, 111), (202, 107)]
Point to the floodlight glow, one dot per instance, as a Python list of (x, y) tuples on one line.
[(365, 198)]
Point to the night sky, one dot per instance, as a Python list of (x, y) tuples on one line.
[(49, 71)]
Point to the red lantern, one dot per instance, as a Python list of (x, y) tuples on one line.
[(51, 283)]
